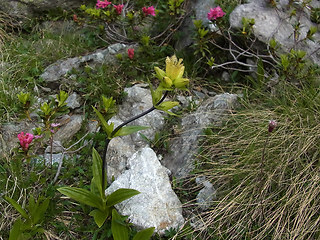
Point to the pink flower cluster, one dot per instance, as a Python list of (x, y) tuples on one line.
[(102, 4), (149, 11), (131, 53), (25, 140), (118, 8), (215, 13)]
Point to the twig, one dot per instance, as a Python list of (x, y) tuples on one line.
[(65, 151)]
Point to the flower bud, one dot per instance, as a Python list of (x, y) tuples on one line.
[(272, 125), (166, 82)]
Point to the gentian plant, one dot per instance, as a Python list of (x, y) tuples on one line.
[(170, 79)]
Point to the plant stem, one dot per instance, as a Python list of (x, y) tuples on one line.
[(107, 141), (261, 172)]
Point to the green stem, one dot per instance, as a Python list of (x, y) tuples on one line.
[(107, 141)]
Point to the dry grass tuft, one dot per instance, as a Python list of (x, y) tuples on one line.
[(279, 199)]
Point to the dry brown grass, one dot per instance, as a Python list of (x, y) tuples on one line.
[(277, 200)]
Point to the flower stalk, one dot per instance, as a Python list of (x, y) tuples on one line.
[(107, 141)]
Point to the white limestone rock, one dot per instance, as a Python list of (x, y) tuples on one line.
[(156, 205)]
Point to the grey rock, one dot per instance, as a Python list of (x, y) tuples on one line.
[(199, 95), (225, 76), (93, 126), (56, 158), (73, 101), (119, 151), (184, 101), (67, 131), (206, 195), (184, 147), (199, 10), (26, 9), (56, 147), (276, 23), (156, 205), (59, 69)]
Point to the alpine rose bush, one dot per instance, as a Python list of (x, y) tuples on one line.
[(131, 53), (149, 11), (215, 13), (102, 4), (25, 140), (118, 8)]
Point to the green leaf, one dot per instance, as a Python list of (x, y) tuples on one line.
[(62, 97), (119, 230), (16, 233), (82, 196), (129, 130), (165, 106), (284, 62), (45, 108), (144, 234), (160, 74), (32, 205), (17, 207), (156, 95), (108, 128), (120, 195), (109, 107), (99, 216), (38, 213), (97, 172)]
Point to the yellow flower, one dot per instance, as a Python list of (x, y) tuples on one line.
[(173, 74), (174, 68)]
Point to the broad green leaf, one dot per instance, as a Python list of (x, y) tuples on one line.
[(32, 205), (99, 216), (159, 73), (96, 169), (39, 212), (82, 196), (156, 95), (17, 207), (165, 106), (129, 130), (119, 230), (15, 232), (120, 195), (108, 128), (93, 187), (97, 172), (144, 234)]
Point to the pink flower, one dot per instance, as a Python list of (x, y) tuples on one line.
[(102, 4), (272, 125), (75, 18), (131, 53), (118, 8), (215, 13), (149, 11), (55, 124), (25, 140)]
